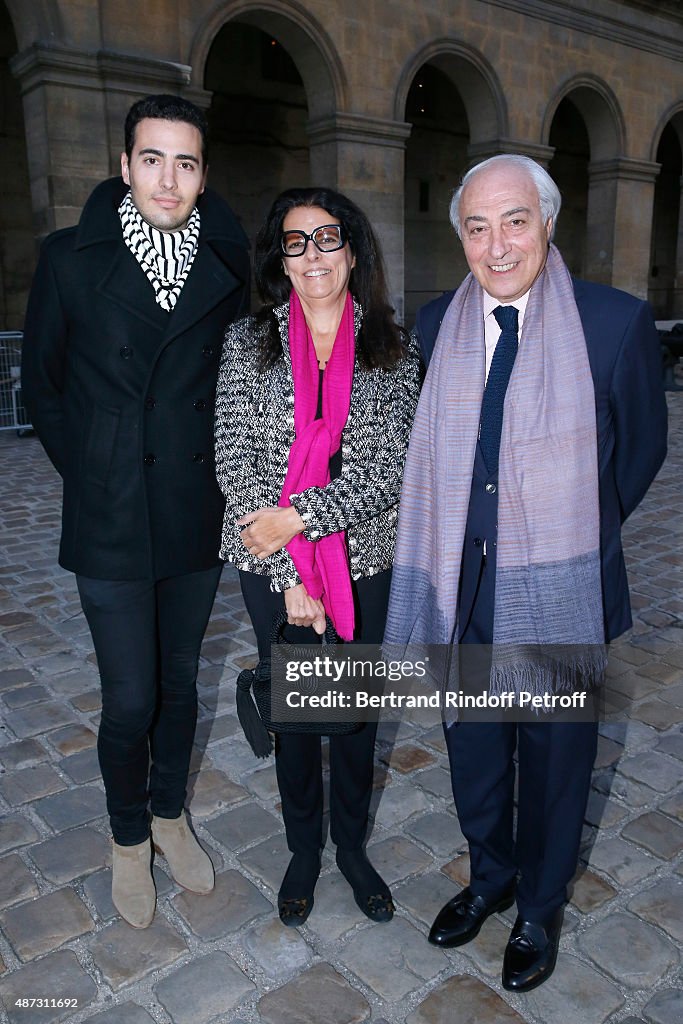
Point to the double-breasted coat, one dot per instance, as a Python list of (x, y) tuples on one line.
[(121, 392)]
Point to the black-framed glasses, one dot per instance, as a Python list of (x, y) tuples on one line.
[(326, 238)]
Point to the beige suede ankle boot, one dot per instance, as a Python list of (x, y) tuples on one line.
[(132, 886), (188, 863)]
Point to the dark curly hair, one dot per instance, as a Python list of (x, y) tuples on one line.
[(381, 342)]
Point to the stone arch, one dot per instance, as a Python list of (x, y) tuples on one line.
[(307, 43), (40, 19), (453, 101), (674, 117), (585, 130), (600, 111), (261, 103), (474, 78)]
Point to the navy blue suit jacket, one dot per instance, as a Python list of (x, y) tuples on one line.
[(625, 360)]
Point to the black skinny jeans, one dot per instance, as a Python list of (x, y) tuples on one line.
[(147, 636)]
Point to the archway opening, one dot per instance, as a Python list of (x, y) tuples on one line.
[(436, 158), (569, 169), (257, 120), (666, 264), (17, 245)]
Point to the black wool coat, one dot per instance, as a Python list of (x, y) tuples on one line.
[(121, 392)]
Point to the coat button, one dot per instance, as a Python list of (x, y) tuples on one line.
[(207, 351), (477, 542), (491, 488), (150, 403), (198, 457), (149, 459), (200, 405), (126, 352)]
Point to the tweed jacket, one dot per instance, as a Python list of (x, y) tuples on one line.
[(255, 430)]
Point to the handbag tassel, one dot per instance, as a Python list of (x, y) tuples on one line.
[(256, 734)]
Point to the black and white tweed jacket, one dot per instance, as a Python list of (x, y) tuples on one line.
[(255, 430)]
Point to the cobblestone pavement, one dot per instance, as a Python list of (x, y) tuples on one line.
[(226, 957)]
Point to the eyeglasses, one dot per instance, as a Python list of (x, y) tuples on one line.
[(326, 238)]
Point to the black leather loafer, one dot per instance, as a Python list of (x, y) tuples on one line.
[(461, 919), (531, 953)]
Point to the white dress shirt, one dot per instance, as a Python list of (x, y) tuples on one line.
[(492, 331)]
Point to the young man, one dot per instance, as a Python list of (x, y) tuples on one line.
[(122, 345), (541, 425)]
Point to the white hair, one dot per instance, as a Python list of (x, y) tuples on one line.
[(549, 196)]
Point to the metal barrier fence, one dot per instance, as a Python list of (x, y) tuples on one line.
[(13, 415)]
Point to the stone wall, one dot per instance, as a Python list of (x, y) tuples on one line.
[(587, 88)]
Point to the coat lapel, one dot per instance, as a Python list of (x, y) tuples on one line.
[(125, 284), (209, 282)]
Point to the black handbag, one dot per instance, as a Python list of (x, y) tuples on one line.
[(255, 714)]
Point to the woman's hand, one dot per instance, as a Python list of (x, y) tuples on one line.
[(303, 610), (268, 529)]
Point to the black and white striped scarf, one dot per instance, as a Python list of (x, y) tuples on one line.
[(165, 256)]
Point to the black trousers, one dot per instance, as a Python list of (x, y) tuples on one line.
[(555, 760), (298, 758), (147, 636)]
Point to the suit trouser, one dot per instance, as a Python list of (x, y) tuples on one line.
[(298, 757), (147, 636), (555, 762)]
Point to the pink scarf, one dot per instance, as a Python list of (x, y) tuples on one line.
[(323, 564)]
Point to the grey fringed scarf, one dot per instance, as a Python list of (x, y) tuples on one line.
[(548, 631), (165, 256)]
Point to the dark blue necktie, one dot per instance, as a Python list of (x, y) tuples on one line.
[(491, 423)]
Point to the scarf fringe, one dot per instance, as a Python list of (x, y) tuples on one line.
[(546, 673)]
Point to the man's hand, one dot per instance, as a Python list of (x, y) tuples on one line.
[(269, 529), (303, 610)]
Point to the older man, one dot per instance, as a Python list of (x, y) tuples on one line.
[(541, 425), (121, 352)]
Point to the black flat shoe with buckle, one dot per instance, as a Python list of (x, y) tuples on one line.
[(370, 891), (295, 898), (294, 912), (378, 908)]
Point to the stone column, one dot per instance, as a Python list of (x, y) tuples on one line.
[(75, 103), (619, 223), (364, 158), (677, 297)]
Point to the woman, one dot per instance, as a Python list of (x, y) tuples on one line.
[(316, 396)]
